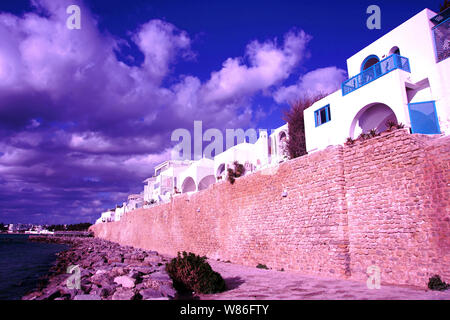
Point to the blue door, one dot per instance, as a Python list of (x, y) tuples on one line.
[(424, 118)]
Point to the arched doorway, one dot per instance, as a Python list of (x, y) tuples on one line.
[(220, 169), (369, 61), (206, 182), (394, 50), (188, 185), (373, 116)]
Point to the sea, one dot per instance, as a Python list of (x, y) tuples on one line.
[(23, 263)]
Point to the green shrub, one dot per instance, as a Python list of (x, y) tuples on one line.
[(435, 283), (239, 170), (190, 272), (349, 141), (261, 266)]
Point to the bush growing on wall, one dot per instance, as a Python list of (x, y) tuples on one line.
[(190, 272), (238, 171), (296, 143), (435, 283)]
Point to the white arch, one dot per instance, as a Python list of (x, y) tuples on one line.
[(206, 182), (372, 116), (220, 169), (188, 185)]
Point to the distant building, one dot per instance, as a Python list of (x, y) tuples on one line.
[(198, 176)]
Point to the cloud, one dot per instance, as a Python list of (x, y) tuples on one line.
[(269, 64), (323, 80), (80, 129), (161, 42)]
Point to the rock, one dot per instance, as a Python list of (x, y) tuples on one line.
[(160, 276), (50, 294), (108, 290), (148, 294), (115, 259), (118, 271), (101, 271), (152, 259), (144, 270), (99, 278), (108, 271), (123, 294), (87, 297), (167, 290), (125, 281), (85, 285), (134, 274), (85, 273)]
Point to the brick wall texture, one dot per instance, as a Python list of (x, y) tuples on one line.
[(382, 202)]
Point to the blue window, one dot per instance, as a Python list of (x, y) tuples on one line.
[(322, 115), (424, 118)]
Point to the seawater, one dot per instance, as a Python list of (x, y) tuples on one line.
[(22, 263)]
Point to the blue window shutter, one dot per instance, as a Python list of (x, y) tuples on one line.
[(327, 111), (424, 118)]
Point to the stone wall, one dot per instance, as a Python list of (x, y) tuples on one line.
[(380, 202)]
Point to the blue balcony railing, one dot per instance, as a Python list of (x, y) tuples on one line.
[(374, 72), (441, 34)]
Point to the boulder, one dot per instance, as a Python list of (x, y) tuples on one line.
[(144, 270), (134, 274), (152, 259), (160, 276), (148, 294), (123, 294), (125, 281), (167, 290), (118, 271), (87, 297)]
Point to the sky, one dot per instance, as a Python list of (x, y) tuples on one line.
[(86, 114)]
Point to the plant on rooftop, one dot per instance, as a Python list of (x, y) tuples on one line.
[(444, 6), (363, 136), (373, 133), (435, 283), (190, 272), (262, 266), (391, 125), (296, 143), (237, 172), (349, 141)]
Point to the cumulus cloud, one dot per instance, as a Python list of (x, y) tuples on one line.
[(269, 64), (323, 80), (161, 42)]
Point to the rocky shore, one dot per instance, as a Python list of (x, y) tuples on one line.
[(107, 271)]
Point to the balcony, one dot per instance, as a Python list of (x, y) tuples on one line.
[(374, 72), (441, 35)]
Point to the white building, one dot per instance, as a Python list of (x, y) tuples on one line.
[(402, 77), (198, 176), (266, 151), (278, 145), (149, 190), (166, 181), (135, 201), (119, 212), (107, 216)]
